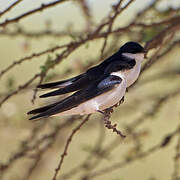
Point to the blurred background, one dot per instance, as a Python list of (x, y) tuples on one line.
[(43, 41)]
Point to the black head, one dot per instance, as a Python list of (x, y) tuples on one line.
[(132, 47)]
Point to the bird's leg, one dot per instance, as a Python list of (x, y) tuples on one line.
[(127, 90), (106, 112), (109, 110), (101, 112)]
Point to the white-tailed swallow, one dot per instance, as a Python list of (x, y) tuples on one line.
[(99, 88)]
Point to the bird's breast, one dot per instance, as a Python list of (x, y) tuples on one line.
[(132, 74)]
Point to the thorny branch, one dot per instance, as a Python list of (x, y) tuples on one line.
[(176, 174), (22, 32), (107, 122), (10, 7), (110, 24), (141, 155), (67, 145), (159, 34), (18, 62), (26, 146), (39, 9), (105, 151)]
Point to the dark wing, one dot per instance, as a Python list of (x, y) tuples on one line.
[(124, 60), (104, 84), (114, 63), (119, 66), (60, 84), (91, 75), (73, 84)]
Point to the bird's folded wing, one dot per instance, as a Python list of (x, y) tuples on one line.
[(119, 66), (92, 74), (60, 84), (72, 86), (114, 63), (102, 85)]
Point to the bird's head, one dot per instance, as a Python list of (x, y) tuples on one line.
[(133, 50)]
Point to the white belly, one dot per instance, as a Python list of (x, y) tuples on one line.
[(100, 102)]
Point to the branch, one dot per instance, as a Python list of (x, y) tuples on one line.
[(67, 145), (21, 87), (107, 122), (139, 156), (111, 21), (26, 145), (10, 7), (39, 9), (157, 40), (18, 62), (176, 174)]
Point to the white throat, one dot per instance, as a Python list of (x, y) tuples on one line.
[(133, 74), (139, 57)]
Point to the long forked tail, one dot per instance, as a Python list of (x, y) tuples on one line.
[(72, 85), (42, 109), (59, 84)]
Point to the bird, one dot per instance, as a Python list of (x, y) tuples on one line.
[(97, 89)]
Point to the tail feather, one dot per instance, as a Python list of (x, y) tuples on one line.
[(38, 117), (42, 109), (74, 86), (59, 84), (54, 93)]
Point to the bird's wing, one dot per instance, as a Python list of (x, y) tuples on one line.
[(102, 85), (119, 66), (112, 64), (118, 57), (92, 74), (73, 84)]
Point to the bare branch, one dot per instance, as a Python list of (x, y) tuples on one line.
[(124, 163), (10, 7), (39, 9), (18, 62), (67, 145)]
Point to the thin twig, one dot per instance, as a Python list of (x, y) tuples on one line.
[(57, 170), (39, 9), (124, 163), (108, 124), (10, 7)]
